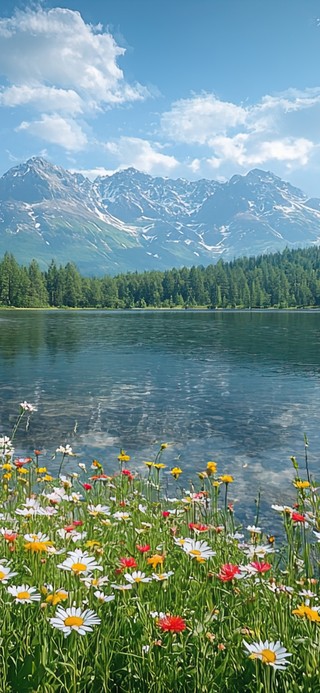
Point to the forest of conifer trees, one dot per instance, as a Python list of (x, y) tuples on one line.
[(280, 280)]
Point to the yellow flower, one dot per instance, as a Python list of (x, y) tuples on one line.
[(163, 446), (7, 466), (7, 476), (149, 464), (301, 484), (57, 597), (155, 560), (123, 457), (37, 542), (226, 478), (159, 465), (41, 470), (91, 542), (96, 464), (47, 477), (211, 468), (22, 470), (216, 483), (306, 611), (176, 471)]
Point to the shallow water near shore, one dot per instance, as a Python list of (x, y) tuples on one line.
[(240, 388)]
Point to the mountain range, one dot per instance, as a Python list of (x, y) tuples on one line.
[(133, 221)]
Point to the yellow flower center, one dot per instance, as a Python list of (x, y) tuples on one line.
[(73, 621), (2, 575), (23, 595), (268, 657), (78, 567), (195, 552), (137, 579)]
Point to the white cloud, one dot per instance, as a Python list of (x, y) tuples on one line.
[(93, 173), (57, 65), (53, 128), (197, 119), (56, 47), (42, 98), (141, 154)]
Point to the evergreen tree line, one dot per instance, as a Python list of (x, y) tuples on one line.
[(283, 280)]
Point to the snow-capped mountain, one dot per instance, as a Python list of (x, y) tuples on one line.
[(131, 220)]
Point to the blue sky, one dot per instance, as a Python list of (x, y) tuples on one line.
[(180, 88)]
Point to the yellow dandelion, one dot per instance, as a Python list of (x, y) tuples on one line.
[(226, 478), (41, 470), (305, 611), (155, 560), (211, 467), (301, 484), (176, 471), (22, 470), (159, 465)]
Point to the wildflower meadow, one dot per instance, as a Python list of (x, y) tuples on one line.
[(108, 583)]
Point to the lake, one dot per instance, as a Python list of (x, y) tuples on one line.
[(240, 388)]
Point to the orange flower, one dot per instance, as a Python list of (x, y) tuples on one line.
[(155, 560)]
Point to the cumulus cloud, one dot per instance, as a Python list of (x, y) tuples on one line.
[(196, 119), (271, 130), (56, 64), (57, 130), (141, 154)]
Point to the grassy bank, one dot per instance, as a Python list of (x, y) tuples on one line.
[(107, 584)]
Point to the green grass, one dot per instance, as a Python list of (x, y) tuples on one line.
[(240, 593)]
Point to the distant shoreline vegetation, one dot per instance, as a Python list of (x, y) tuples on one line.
[(290, 279)]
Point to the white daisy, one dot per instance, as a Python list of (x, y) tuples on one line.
[(317, 535), (121, 516), (136, 576), (271, 653), (98, 510), (26, 406), (79, 562), (6, 573), (162, 576), (65, 450), (254, 530), (258, 551), (103, 597), (91, 581), (24, 594), (127, 586), (199, 550), (73, 618)]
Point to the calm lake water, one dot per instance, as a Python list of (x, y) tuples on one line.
[(240, 388)]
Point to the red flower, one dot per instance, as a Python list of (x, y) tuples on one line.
[(198, 527), (122, 504), (175, 624), (69, 528), (261, 567), (165, 513), (128, 562), (297, 517), (126, 472), (77, 523), (10, 536), (144, 548), (21, 461), (87, 487), (228, 571)]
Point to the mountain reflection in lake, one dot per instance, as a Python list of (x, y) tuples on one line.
[(240, 388)]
